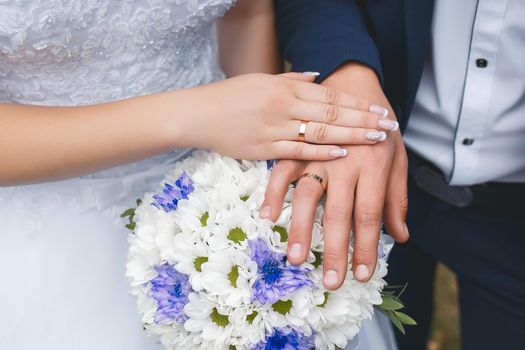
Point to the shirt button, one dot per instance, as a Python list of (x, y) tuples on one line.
[(468, 141), (481, 62)]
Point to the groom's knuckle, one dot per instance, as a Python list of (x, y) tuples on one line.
[(282, 170), (367, 216), (336, 213), (306, 190), (365, 252), (333, 257), (403, 203)]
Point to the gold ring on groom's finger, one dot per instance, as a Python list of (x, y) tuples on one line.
[(317, 178), (302, 131)]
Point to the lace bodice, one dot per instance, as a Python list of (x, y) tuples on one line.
[(80, 52)]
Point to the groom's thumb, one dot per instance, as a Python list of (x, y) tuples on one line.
[(396, 202)]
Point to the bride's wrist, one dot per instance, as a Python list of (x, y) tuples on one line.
[(180, 123)]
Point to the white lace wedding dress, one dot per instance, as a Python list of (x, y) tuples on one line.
[(62, 245)]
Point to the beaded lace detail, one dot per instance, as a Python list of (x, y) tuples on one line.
[(78, 52), (82, 52)]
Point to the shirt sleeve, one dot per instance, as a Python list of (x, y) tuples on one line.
[(322, 35)]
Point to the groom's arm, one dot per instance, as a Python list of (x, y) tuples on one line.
[(322, 35)]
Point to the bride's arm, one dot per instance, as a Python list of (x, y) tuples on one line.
[(253, 116), (247, 39), (50, 143)]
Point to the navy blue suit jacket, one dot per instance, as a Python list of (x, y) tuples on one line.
[(390, 36)]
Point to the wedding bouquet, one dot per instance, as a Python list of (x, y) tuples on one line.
[(208, 273)]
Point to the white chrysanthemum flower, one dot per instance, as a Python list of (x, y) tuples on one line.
[(250, 325), (340, 314), (190, 254), (208, 273), (192, 216), (144, 253), (301, 303), (233, 228), (208, 321), (228, 275)]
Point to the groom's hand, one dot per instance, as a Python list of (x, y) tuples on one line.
[(362, 188)]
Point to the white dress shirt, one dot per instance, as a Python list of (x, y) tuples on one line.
[(469, 113)]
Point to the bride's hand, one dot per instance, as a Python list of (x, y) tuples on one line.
[(258, 116)]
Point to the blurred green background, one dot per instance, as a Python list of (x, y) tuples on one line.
[(445, 326)]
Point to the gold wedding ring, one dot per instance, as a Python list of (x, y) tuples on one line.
[(302, 131), (317, 178)]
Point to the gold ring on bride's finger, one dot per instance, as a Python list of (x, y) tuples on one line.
[(302, 131), (317, 178)]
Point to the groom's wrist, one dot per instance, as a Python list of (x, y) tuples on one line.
[(353, 71), (360, 80)]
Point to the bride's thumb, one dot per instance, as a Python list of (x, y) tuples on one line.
[(304, 76)]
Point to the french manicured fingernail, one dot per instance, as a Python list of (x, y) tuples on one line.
[(406, 229), (380, 111), (338, 153), (312, 74), (330, 278), (265, 212), (376, 136), (361, 272), (389, 125), (295, 251)]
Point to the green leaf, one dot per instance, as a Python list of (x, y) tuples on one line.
[(233, 276), (251, 317), (390, 306), (245, 197), (204, 219), (237, 235), (232, 347), (396, 322), (282, 231), (139, 202), (404, 318), (129, 212), (323, 304), (282, 306), (218, 319), (390, 303), (318, 259), (199, 261)]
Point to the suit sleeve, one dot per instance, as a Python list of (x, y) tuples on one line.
[(322, 35)]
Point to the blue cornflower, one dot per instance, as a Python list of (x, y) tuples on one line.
[(170, 289), (275, 280), (270, 164), (171, 195), (286, 339)]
